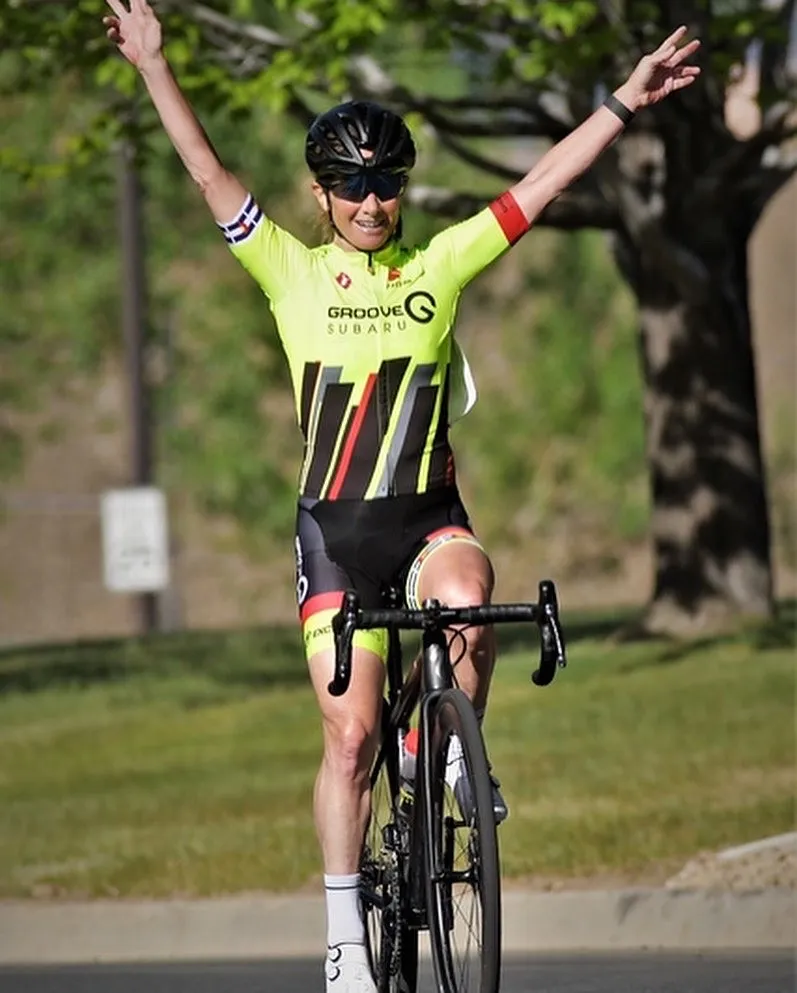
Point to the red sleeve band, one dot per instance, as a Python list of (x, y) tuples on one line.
[(511, 218)]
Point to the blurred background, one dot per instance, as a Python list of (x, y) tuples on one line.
[(135, 350), (578, 498), (634, 438)]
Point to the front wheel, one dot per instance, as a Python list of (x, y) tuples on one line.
[(462, 870), (392, 945)]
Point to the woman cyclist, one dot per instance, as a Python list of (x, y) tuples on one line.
[(366, 326)]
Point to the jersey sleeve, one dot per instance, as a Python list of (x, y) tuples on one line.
[(272, 256), (471, 245)]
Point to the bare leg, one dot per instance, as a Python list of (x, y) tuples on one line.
[(341, 800), (459, 574), (341, 805)]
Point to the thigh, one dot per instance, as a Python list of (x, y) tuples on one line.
[(320, 584), (459, 574), (449, 563), (455, 571)]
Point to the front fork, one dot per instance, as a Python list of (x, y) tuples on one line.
[(436, 678)]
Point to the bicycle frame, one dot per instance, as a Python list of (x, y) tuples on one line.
[(434, 676), (425, 683)]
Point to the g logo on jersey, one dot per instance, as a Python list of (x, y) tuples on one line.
[(420, 306)]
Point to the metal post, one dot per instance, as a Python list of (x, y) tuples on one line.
[(170, 608), (134, 319)]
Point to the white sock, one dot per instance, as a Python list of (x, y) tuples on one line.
[(344, 919)]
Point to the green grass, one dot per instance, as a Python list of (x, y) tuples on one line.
[(644, 754), (185, 765)]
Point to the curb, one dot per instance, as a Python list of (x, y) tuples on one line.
[(256, 927), (650, 918)]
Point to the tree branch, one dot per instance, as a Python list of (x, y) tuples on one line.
[(531, 115), (490, 166), (242, 29), (244, 60), (534, 123), (484, 117), (497, 116), (569, 212), (776, 128), (766, 182), (241, 61), (367, 77)]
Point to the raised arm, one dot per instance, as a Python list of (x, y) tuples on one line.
[(137, 34), (655, 77)]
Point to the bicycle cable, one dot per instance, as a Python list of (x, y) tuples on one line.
[(458, 633)]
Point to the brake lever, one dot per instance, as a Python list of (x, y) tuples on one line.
[(552, 643), (344, 624)]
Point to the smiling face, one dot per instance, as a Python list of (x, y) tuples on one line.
[(365, 226)]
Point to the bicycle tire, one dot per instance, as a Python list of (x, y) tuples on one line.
[(391, 945), (453, 869)]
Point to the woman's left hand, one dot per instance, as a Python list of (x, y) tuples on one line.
[(660, 73)]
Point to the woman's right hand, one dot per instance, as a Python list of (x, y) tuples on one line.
[(135, 32)]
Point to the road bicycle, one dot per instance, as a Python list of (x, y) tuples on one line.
[(430, 857)]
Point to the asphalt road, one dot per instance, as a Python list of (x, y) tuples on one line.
[(651, 972)]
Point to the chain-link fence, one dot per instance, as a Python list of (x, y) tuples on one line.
[(51, 577), (52, 586)]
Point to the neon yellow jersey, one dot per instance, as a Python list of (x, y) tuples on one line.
[(376, 374)]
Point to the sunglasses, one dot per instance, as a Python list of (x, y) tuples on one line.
[(384, 185)]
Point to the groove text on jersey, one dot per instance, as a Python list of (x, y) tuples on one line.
[(419, 306)]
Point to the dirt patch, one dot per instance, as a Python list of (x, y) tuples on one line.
[(771, 863), (774, 865)]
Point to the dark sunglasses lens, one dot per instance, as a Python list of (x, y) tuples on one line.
[(384, 185), (350, 188)]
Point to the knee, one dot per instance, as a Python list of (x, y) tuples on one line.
[(471, 591), (465, 591), (348, 747)]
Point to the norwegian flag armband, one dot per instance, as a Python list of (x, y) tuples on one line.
[(239, 229)]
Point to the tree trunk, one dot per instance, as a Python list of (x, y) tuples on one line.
[(710, 523)]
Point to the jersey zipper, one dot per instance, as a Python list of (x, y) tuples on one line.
[(382, 394)]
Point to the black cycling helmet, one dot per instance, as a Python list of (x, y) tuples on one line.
[(336, 139)]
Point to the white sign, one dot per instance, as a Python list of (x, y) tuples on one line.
[(135, 540)]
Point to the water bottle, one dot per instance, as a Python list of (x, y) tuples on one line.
[(407, 761)]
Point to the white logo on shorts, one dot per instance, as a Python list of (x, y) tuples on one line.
[(302, 582)]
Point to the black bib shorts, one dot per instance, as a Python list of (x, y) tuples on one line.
[(369, 546)]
